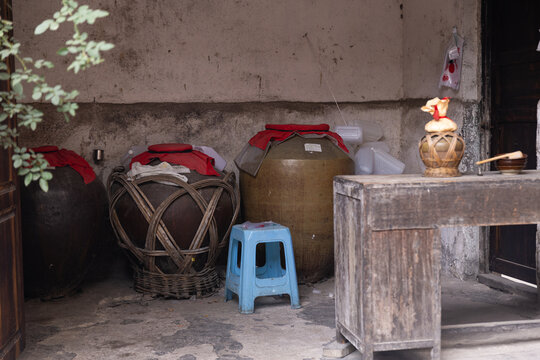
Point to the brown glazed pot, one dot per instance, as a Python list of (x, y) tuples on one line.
[(62, 231), (295, 188), (511, 166)]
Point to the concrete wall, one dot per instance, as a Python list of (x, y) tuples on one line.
[(226, 127), (427, 30), (294, 54), (227, 52), (234, 51), (213, 72)]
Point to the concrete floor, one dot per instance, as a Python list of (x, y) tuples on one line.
[(108, 320)]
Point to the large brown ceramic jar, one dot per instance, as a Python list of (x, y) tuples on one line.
[(62, 230), (294, 187), (173, 231)]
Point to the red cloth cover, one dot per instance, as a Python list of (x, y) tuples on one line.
[(63, 157), (183, 155), (277, 132), (170, 148), (296, 127), (45, 149)]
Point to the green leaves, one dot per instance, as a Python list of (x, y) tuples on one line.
[(43, 63), (71, 12), (47, 175), (44, 26), (32, 166), (27, 179), (86, 53), (43, 184), (86, 15), (18, 89), (17, 163), (9, 49), (63, 51)]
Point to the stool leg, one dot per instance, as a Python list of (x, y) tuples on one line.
[(291, 270), (273, 262), (246, 301), (234, 258), (228, 295), (232, 268)]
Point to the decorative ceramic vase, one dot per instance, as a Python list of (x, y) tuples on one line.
[(441, 152)]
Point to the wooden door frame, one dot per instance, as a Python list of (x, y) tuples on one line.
[(485, 132), (16, 341), (538, 167), (485, 123)]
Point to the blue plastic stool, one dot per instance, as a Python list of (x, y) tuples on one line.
[(249, 281)]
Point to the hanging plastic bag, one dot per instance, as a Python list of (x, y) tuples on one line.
[(453, 59)]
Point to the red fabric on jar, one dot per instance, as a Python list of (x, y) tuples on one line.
[(170, 148), (278, 132), (45, 149), (62, 157), (183, 155)]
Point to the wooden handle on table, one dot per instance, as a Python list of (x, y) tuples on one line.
[(512, 155)]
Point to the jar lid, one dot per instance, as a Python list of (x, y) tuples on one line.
[(160, 148)]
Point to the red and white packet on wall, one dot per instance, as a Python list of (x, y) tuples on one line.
[(453, 60)]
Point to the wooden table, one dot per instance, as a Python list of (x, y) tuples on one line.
[(388, 249)]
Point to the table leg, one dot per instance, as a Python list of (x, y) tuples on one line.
[(404, 297), (340, 339)]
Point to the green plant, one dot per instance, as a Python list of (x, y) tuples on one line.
[(85, 53)]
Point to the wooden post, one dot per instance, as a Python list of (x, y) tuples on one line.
[(538, 225)]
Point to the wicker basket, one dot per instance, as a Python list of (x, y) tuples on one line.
[(441, 152), (185, 275)]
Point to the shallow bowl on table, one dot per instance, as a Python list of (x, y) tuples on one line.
[(511, 166)]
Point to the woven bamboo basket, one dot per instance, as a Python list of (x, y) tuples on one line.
[(441, 152), (164, 264)]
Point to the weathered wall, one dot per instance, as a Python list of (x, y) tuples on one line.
[(226, 127), (233, 51), (427, 32), (222, 52), (213, 72)]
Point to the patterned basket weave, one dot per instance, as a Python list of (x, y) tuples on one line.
[(187, 280), (441, 152)]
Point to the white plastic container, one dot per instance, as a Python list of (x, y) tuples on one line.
[(350, 134), (386, 164), (363, 159), (379, 145), (371, 131), (219, 162)]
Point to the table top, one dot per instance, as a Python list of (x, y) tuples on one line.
[(413, 201), (490, 176)]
